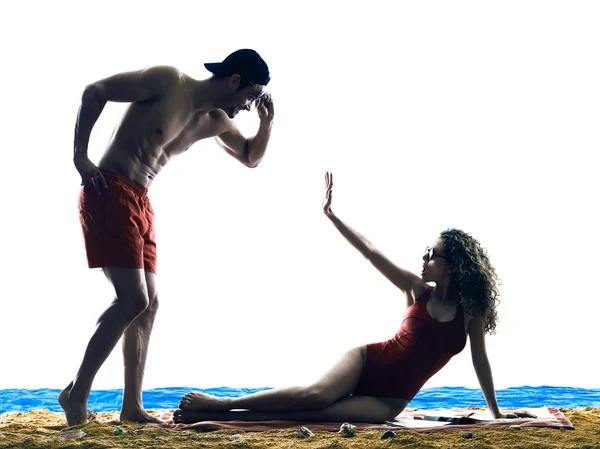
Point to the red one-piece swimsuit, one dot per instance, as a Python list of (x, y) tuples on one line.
[(399, 367)]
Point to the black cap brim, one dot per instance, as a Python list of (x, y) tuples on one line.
[(214, 67)]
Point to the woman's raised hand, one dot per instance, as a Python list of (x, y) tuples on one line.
[(328, 193)]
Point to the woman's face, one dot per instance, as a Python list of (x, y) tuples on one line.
[(435, 262)]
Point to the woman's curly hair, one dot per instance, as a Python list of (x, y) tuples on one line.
[(476, 277)]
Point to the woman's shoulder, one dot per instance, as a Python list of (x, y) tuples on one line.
[(421, 291)]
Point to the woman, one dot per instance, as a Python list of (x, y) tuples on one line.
[(374, 383)]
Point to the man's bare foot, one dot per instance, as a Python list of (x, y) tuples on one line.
[(139, 416), (75, 411), (197, 401)]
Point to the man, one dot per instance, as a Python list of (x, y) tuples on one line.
[(169, 112)]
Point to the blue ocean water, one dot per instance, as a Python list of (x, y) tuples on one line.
[(20, 400)]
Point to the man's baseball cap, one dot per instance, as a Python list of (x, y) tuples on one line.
[(246, 63)]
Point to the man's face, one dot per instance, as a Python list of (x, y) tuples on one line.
[(243, 99)]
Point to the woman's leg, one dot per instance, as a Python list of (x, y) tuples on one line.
[(339, 382), (363, 409)]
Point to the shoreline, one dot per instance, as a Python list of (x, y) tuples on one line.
[(435, 397)]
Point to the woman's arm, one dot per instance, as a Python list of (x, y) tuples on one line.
[(483, 369), (408, 282)]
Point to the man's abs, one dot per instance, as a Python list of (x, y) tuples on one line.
[(151, 133)]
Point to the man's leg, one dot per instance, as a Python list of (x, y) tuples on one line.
[(338, 383), (131, 300), (135, 350)]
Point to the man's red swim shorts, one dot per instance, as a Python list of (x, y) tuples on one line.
[(117, 225)]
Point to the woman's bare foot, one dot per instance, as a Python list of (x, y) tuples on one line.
[(197, 401), (75, 411), (139, 416), (185, 417)]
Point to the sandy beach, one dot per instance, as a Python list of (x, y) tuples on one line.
[(48, 430)]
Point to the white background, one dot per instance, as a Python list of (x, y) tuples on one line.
[(477, 115)]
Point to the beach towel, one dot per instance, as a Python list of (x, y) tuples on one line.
[(418, 420)]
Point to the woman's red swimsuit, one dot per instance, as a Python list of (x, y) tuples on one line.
[(399, 367)]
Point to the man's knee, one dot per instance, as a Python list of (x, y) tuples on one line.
[(153, 304), (133, 304), (131, 290)]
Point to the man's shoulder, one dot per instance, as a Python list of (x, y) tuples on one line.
[(166, 75), (219, 114), (171, 79), (220, 117), (166, 70), (148, 75)]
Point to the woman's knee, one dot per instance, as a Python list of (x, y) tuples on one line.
[(391, 408), (317, 397), (389, 414), (378, 411)]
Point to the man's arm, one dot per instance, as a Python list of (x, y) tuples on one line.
[(124, 87), (250, 151)]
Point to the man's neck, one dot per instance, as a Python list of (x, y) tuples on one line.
[(204, 95)]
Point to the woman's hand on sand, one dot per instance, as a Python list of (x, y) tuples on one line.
[(516, 415), (328, 194)]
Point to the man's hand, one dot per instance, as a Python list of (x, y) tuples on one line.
[(90, 174), (328, 194), (264, 107)]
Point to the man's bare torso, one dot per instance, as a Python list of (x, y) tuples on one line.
[(151, 132)]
